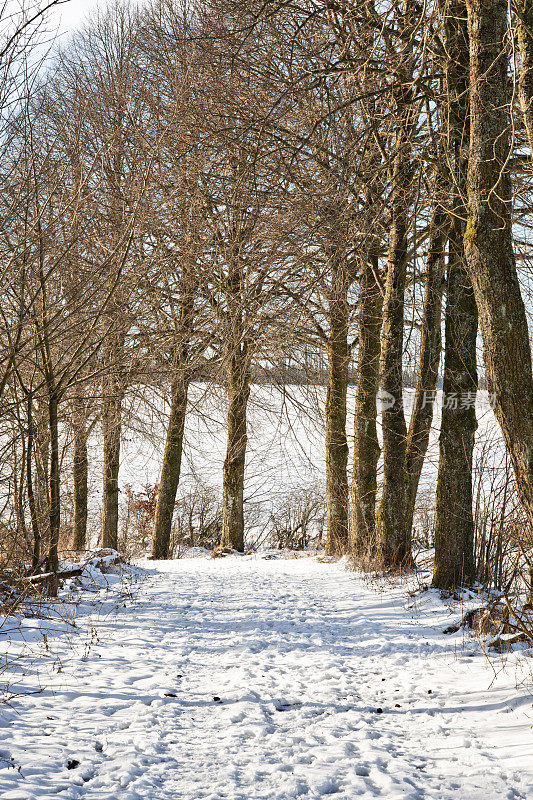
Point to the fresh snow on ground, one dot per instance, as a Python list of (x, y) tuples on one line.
[(252, 677)]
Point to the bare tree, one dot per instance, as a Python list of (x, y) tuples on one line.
[(454, 536), (245, 199), (489, 241), (183, 242)]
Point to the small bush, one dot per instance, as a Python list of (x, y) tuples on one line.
[(299, 522), (197, 520), (137, 520)]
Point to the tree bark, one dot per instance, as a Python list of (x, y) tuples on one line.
[(366, 444), (34, 516), (170, 471), (233, 470), (489, 245), (394, 541), (394, 535), (113, 395), (336, 442), (52, 563), (19, 476), (80, 470), (525, 79), (430, 345), (454, 533), (41, 484), (392, 523)]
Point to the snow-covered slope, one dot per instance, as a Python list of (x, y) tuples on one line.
[(246, 678)]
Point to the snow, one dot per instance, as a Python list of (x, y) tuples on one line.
[(285, 454), (301, 656)]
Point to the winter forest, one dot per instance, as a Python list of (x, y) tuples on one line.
[(266, 399)]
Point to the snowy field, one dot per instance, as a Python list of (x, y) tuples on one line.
[(286, 435), (251, 677), (286, 453)]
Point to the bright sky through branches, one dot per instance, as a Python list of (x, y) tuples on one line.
[(71, 15)]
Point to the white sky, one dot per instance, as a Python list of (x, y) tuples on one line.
[(69, 16)]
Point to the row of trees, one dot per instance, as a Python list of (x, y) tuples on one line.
[(205, 192)]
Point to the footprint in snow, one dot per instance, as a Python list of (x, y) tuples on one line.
[(285, 706)]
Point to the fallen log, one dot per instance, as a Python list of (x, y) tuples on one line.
[(47, 576), (501, 645), (492, 619)]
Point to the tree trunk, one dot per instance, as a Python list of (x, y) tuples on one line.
[(336, 443), (233, 471), (394, 535), (454, 536), (454, 533), (392, 522), (41, 430), (52, 564), (366, 445), (170, 471), (19, 476), (113, 395), (489, 245), (80, 469), (525, 93), (430, 346), (525, 80), (36, 549), (111, 428)]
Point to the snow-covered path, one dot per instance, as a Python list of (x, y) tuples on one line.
[(248, 678)]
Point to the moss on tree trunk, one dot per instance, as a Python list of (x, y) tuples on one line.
[(454, 533), (80, 470), (111, 428), (52, 562), (454, 557), (489, 243), (234, 463), (366, 445), (34, 516), (170, 470), (336, 442), (524, 11), (394, 535), (392, 522)]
